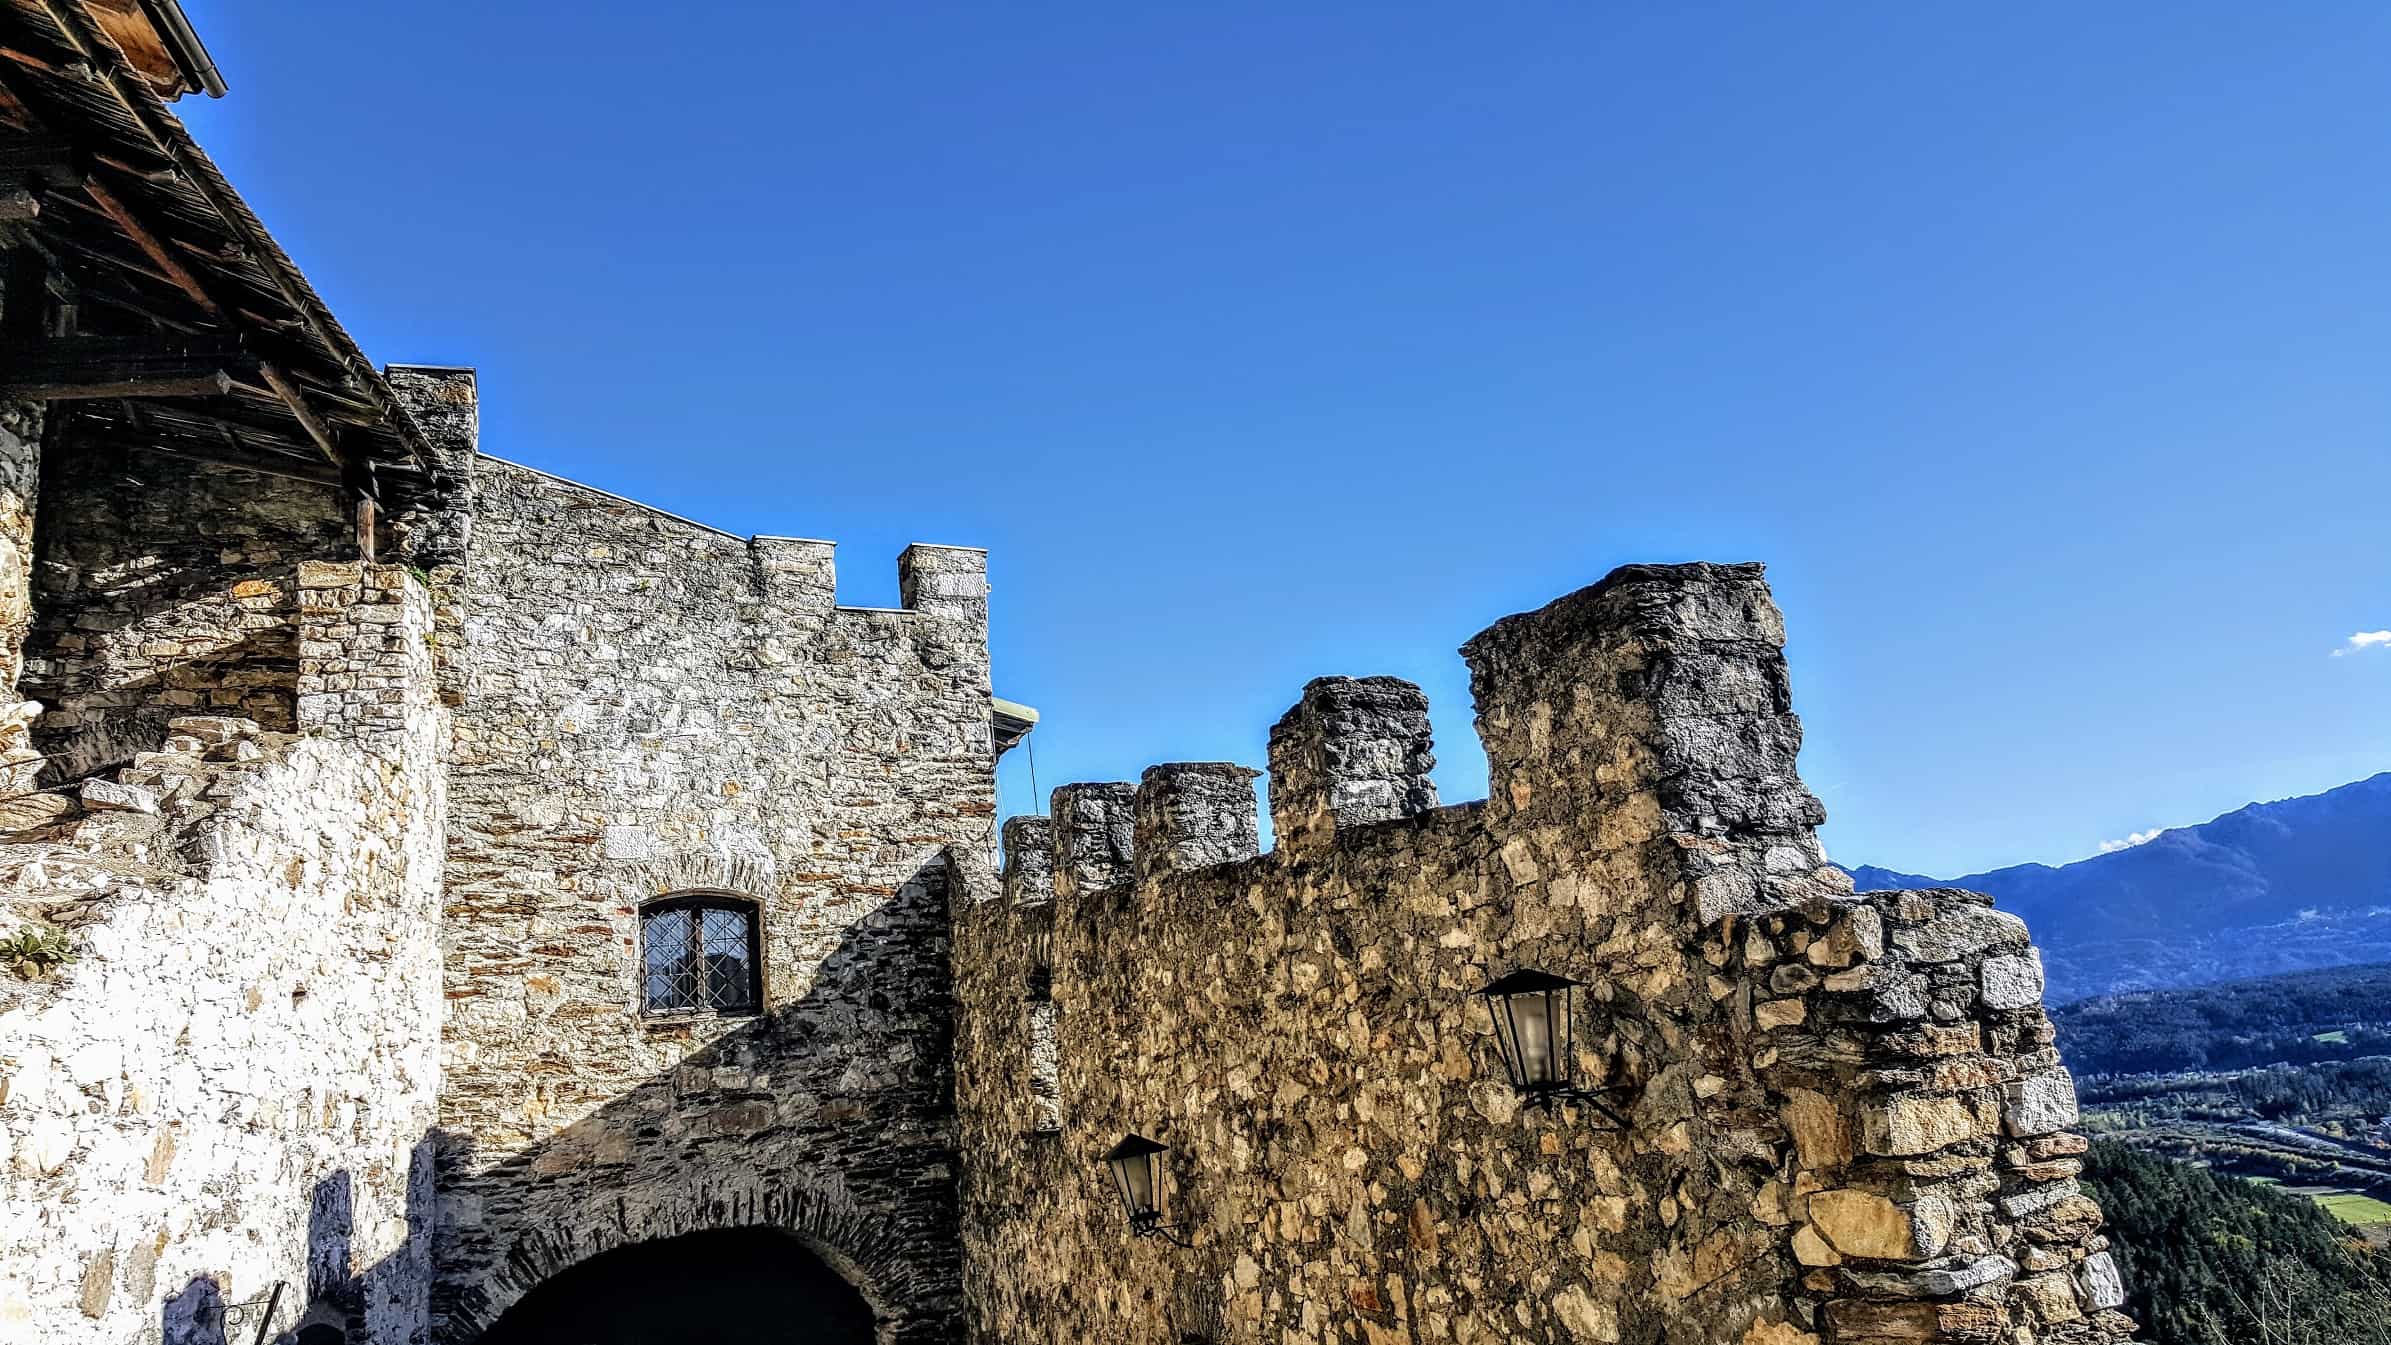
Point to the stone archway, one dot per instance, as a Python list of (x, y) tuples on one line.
[(740, 1286)]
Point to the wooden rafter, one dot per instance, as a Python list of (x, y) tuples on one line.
[(165, 243), (180, 381), (134, 96)]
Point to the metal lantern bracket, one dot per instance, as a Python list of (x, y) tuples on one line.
[(1135, 1162), (1534, 1016), (1549, 1098), (1150, 1226)]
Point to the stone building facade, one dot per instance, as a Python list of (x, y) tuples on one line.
[(654, 708), (444, 903), (355, 860)]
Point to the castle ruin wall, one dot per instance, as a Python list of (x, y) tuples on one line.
[(231, 1086), (20, 488), (1845, 1120)]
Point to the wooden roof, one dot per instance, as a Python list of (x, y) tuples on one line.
[(173, 319)]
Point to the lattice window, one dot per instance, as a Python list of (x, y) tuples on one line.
[(700, 953)]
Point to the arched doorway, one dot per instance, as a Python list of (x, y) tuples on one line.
[(744, 1286)]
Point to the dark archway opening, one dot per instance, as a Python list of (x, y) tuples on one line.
[(734, 1287)]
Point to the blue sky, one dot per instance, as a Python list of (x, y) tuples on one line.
[(2039, 349)]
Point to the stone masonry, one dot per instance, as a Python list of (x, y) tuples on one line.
[(166, 588), (1846, 1121), (20, 482)]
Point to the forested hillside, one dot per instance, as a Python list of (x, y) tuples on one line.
[(2336, 1014), (2211, 1260)]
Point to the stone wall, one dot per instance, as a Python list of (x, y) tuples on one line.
[(232, 1083), (649, 707), (164, 587), (20, 486), (1845, 1123)]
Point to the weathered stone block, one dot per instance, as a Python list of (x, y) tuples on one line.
[(1353, 751), (2101, 1285), (2011, 981), (1191, 815), (107, 795), (1865, 1224), (2039, 1104), (1919, 1124)]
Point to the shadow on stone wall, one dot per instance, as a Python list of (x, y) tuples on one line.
[(339, 1303), (829, 1118), (119, 706)]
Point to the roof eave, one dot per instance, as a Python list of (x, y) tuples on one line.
[(182, 42)]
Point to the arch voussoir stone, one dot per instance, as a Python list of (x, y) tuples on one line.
[(863, 1250)]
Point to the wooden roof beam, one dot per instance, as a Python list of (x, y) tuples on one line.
[(166, 266), (166, 262), (86, 368)]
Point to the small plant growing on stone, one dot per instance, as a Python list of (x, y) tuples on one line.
[(33, 953)]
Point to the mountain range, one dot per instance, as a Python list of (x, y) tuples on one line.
[(2267, 888)]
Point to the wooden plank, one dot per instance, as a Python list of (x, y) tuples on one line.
[(197, 383), (192, 448), (308, 420), (44, 158), (83, 368), (29, 61), (365, 528)]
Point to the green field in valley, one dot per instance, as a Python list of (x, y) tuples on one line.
[(2352, 1208)]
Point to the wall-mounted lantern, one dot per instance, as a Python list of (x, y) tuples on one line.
[(1534, 1025), (1139, 1174)]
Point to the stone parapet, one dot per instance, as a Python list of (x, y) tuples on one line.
[(1095, 839), (1655, 705), (798, 572), (434, 528), (947, 581), (1029, 860)]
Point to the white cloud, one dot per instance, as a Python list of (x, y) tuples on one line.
[(2138, 838), (2364, 640)]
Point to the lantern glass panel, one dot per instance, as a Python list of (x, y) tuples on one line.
[(1137, 1183), (1532, 1015), (1531, 1011), (1136, 1174)]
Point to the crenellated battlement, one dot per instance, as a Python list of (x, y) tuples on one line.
[(1696, 715), (1844, 1117)]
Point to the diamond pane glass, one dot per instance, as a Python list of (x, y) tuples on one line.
[(730, 959), (671, 969), (699, 955)]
